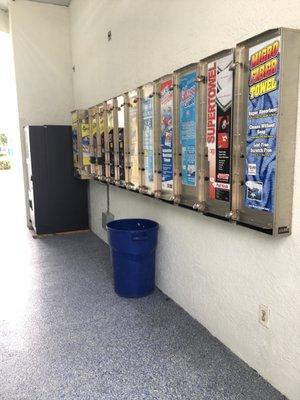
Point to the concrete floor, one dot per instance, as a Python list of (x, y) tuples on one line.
[(65, 334)]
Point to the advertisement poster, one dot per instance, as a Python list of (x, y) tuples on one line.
[(85, 140), (219, 107), (166, 107), (110, 130), (133, 143), (187, 126), (148, 138), (75, 145), (262, 124), (102, 142), (121, 125)]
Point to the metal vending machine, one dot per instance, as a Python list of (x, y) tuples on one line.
[(119, 134), (133, 177), (93, 120), (217, 73), (81, 143), (187, 137), (164, 137), (74, 118), (265, 120), (109, 142), (148, 175), (101, 167)]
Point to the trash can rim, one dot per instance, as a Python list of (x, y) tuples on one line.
[(113, 225)]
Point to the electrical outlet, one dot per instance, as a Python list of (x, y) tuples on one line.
[(106, 218), (264, 316)]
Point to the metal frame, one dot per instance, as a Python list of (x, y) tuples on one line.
[(220, 207), (277, 223), (119, 134), (187, 195), (133, 148), (164, 190), (80, 122), (147, 93)]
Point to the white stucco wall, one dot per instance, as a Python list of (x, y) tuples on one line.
[(40, 36), (42, 53), (218, 272)]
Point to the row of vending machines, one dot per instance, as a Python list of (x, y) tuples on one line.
[(216, 136)]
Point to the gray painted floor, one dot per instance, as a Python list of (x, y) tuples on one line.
[(64, 333)]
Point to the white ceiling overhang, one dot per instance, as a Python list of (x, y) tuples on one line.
[(4, 3)]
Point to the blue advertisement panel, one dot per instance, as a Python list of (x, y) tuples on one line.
[(262, 125), (166, 107), (187, 127), (148, 138)]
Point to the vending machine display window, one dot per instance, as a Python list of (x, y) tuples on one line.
[(119, 107), (164, 125), (109, 142), (148, 175), (133, 165), (74, 118), (187, 136), (265, 121), (101, 143), (93, 117), (218, 73), (81, 143)]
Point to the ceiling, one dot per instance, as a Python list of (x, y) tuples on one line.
[(4, 3)]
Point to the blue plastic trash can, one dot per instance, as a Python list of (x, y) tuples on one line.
[(133, 243)]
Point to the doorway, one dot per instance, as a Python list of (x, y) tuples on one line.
[(12, 204)]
